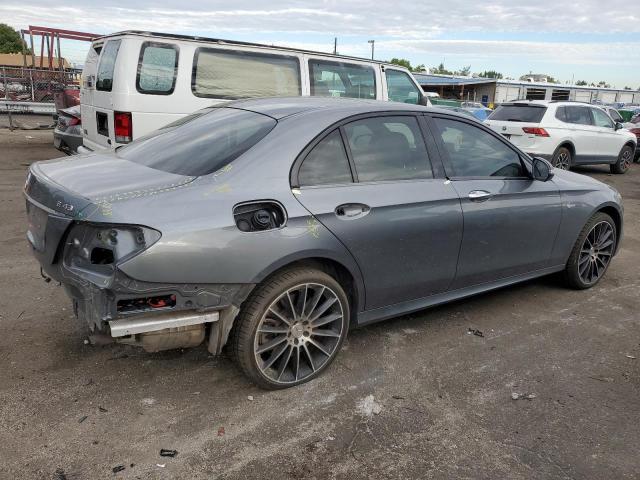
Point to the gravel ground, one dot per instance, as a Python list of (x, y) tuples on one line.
[(414, 397)]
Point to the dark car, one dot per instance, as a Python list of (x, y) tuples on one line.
[(275, 225), (67, 136)]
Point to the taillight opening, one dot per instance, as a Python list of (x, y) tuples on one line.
[(123, 126), (74, 121), (537, 131)]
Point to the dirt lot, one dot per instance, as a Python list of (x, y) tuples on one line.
[(415, 397)]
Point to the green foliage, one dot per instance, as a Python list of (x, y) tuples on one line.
[(582, 83), (10, 40), (490, 74), (403, 62)]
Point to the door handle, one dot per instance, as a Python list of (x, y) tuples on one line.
[(479, 195), (349, 211)]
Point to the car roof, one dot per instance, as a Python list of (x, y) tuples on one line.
[(281, 107)]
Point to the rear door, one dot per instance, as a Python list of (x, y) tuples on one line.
[(99, 114), (371, 182), (510, 120), (510, 220), (583, 133)]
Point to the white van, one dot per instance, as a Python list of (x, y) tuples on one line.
[(135, 82)]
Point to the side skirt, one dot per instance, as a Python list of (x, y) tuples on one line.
[(395, 310)]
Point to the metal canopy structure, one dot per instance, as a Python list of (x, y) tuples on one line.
[(50, 39)]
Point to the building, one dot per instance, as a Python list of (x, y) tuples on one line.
[(493, 91)]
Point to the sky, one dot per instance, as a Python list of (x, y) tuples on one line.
[(590, 40)]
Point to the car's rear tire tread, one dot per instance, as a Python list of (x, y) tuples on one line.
[(572, 279), (618, 167), (241, 335)]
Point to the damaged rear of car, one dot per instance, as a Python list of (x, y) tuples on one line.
[(91, 220)]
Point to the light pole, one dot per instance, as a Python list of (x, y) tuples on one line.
[(373, 44)]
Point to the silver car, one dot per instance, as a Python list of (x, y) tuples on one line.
[(275, 225)]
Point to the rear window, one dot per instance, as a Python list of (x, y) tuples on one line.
[(518, 113), (157, 68), (203, 144), (104, 78), (237, 74)]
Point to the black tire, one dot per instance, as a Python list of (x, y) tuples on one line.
[(562, 158), (257, 309), (574, 265), (625, 158)]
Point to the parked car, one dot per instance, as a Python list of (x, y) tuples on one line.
[(613, 113), (276, 224), (565, 133), (136, 82), (634, 127), (460, 110), (67, 135)]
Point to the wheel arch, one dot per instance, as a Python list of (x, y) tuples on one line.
[(569, 145), (614, 212)]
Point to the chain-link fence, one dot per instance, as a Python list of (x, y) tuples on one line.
[(37, 91)]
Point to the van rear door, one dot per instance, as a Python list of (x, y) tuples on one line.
[(97, 98)]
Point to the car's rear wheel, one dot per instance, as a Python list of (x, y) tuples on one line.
[(624, 160), (592, 252), (562, 158), (291, 328)]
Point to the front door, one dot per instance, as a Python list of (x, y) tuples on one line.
[(510, 220), (371, 183)]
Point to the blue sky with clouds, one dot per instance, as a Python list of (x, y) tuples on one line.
[(587, 40)]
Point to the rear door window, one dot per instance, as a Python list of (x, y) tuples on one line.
[(338, 79), (157, 68), (400, 88), (233, 74), (577, 115), (326, 164), (518, 113), (388, 148), (202, 145), (473, 152), (106, 67)]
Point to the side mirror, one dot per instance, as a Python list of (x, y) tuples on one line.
[(541, 169), (424, 100), (619, 126)]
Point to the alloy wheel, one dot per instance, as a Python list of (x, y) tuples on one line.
[(627, 158), (596, 252), (563, 161), (299, 333)]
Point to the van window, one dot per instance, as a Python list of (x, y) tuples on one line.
[(233, 74), (337, 79), (202, 145), (400, 88), (104, 79), (157, 68)]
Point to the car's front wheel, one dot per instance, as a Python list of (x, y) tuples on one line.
[(592, 252), (562, 158), (290, 328), (624, 160)]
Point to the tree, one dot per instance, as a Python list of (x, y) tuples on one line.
[(441, 70), (490, 74), (402, 62), (582, 83), (627, 88), (603, 84), (10, 40), (464, 71)]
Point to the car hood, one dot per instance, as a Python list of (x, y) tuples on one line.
[(70, 185)]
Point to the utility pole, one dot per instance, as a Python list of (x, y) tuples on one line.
[(335, 45), (373, 44)]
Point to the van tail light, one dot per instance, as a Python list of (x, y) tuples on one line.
[(635, 131), (537, 131), (74, 121), (123, 126)]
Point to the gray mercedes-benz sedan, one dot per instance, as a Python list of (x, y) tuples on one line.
[(275, 225)]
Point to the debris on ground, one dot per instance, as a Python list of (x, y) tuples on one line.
[(523, 396), (118, 468), (102, 409), (631, 357), (221, 431), (250, 398), (161, 465), (475, 331), (82, 419), (60, 475), (602, 379), (165, 452), (86, 342), (397, 397), (368, 406)]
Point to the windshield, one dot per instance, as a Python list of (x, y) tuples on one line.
[(518, 113), (200, 143)]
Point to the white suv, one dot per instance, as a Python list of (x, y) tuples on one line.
[(565, 133)]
